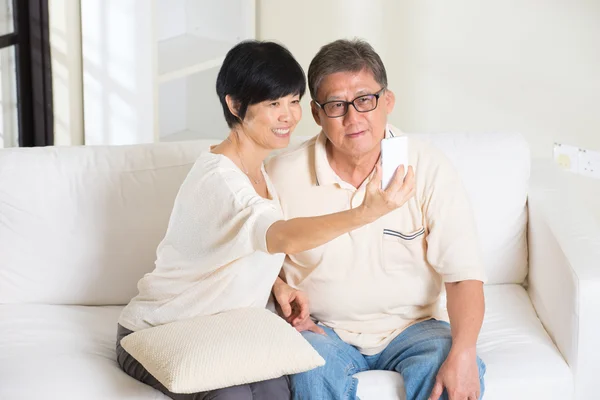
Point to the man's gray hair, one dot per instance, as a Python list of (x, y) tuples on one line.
[(344, 56)]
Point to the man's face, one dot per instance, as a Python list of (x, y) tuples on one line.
[(355, 134)]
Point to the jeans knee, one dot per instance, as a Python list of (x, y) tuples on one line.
[(304, 378), (322, 344), (339, 365), (438, 351)]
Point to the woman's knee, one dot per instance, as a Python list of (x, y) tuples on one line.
[(240, 392), (278, 388)]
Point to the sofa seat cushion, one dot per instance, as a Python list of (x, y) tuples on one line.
[(380, 385), (66, 352), (70, 350), (522, 361)]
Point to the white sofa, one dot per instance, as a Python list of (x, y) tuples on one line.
[(79, 227)]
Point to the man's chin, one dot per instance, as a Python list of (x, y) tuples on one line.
[(361, 146)]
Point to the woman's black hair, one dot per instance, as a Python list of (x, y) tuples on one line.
[(255, 71)]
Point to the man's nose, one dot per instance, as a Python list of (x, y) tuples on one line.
[(352, 115)]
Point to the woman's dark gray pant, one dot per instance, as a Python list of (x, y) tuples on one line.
[(273, 389)]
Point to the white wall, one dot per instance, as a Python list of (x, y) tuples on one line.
[(65, 47), (119, 67), (466, 65), (304, 26)]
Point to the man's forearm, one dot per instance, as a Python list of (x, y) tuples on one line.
[(466, 306)]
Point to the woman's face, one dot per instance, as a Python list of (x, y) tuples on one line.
[(270, 123)]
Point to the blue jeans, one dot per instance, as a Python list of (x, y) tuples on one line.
[(417, 354)]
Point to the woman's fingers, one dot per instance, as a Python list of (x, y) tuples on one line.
[(375, 181), (397, 181)]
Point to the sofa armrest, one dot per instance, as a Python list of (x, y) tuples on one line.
[(564, 271)]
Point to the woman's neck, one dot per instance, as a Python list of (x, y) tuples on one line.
[(248, 151), (245, 153)]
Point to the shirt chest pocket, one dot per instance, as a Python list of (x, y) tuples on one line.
[(403, 250)]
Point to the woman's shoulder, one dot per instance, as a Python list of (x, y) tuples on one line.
[(216, 175), (211, 166)]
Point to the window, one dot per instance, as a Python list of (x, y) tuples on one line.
[(25, 74)]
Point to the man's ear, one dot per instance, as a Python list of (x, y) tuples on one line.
[(233, 106), (390, 100), (314, 108)]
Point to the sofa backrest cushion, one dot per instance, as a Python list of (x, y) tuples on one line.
[(495, 169), (80, 225)]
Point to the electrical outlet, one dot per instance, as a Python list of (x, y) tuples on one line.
[(589, 163), (567, 156)]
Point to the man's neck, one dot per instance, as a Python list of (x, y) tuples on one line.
[(353, 170)]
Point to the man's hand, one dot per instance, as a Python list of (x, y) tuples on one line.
[(293, 306), (459, 375)]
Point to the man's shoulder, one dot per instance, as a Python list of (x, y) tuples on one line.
[(294, 164), (420, 149), (432, 166), (425, 155)]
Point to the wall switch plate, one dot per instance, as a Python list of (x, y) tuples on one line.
[(589, 163)]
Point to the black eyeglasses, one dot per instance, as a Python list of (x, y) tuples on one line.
[(362, 104)]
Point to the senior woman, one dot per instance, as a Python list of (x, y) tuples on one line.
[(226, 238)]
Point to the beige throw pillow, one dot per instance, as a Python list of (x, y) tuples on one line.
[(211, 352)]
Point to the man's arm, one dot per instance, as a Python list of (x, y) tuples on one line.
[(459, 374), (466, 307)]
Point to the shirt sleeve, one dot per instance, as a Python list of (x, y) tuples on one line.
[(217, 218), (453, 248)]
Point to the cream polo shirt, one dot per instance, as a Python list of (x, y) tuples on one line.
[(214, 256), (372, 283)]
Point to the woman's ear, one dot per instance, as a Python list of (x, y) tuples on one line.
[(233, 106)]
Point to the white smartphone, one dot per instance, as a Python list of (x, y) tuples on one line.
[(394, 152)]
